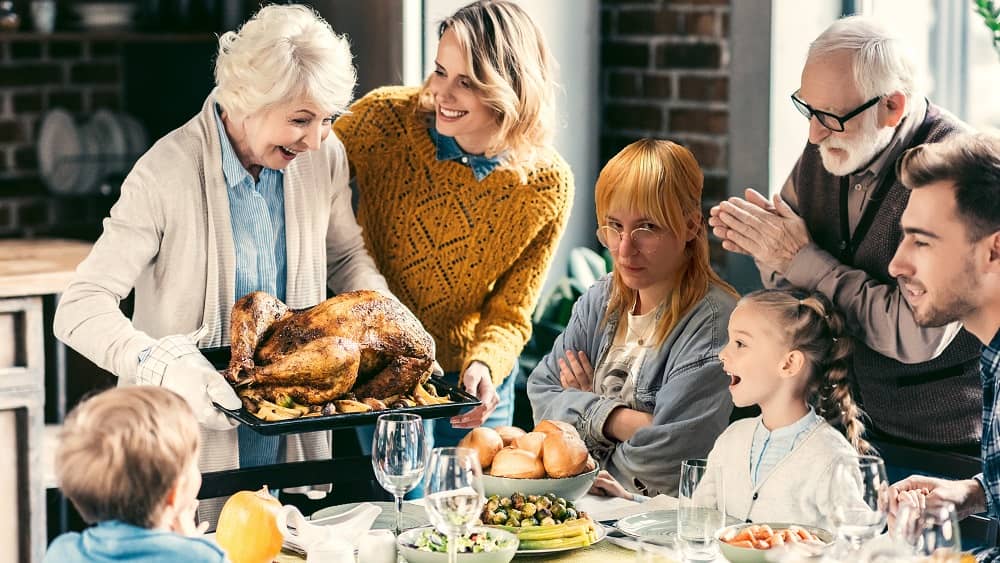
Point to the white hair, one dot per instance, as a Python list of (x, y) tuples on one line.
[(284, 53), (881, 62)]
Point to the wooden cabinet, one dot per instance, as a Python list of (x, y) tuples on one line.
[(29, 271)]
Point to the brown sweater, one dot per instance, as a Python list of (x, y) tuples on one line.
[(934, 403)]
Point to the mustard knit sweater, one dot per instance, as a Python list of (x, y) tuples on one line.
[(468, 258)]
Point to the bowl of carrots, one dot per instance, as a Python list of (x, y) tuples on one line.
[(750, 543)]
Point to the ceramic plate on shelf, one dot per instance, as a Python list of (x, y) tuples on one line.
[(114, 146), (90, 160), (135, 135), (59, 151)]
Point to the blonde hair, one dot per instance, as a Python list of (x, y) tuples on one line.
[(815, 328), (662, 180), (513, 72), (284, 53), (881, 63), (122, 451)]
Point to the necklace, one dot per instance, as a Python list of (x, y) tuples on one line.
[(642, 326)]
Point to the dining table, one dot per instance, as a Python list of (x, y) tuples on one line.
[(614, 548)]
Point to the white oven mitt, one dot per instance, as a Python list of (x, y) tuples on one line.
[(176, 363)]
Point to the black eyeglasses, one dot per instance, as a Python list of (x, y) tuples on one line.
[(827, 119)]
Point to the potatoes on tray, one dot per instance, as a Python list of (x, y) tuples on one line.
[(553, 449)]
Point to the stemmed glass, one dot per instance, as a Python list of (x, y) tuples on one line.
[(398, 456), (859, 499), (454, 485)]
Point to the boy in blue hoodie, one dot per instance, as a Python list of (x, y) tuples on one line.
[(128, 460)]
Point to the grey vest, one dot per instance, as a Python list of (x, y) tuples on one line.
[(936, 403)]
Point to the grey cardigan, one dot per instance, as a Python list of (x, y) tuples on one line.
[(170, 238), (682, 385)]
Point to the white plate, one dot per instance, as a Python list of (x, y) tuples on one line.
[(136, 138), (113, 147), (90, 160), (59, 151), (654, 523), (601, 534), (414, 516)]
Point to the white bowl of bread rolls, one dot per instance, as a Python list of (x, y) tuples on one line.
[(552, 458)]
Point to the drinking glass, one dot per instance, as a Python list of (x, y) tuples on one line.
[(701, 510), (932, 531), (398, 455), (657, 549), (454, 486), (858, 499)]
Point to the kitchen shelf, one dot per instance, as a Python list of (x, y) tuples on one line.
[(125, 36)]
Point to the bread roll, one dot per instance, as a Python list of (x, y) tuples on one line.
[(556, 426), (532, 442), (590, 465), (565, 455), (509, 434), (485, 441), (517, 464)]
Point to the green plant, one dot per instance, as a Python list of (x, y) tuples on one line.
[(991, 17)]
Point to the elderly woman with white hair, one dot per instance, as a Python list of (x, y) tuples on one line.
[(250, 194)]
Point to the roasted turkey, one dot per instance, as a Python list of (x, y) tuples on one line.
[(362, 342)]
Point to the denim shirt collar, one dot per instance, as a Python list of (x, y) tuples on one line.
[(232, 169), (448, 149)]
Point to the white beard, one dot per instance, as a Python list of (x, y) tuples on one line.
[(861, 149)]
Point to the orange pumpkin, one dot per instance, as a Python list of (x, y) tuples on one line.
[(247, 531)]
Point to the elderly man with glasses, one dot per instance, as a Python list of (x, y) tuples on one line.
[(835, 226)]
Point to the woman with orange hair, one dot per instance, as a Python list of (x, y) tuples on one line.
[(637, 369)]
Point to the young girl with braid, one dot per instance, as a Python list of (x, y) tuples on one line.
[(787, 353)]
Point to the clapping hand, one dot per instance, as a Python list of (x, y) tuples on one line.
[(575, 371), (769, 231)]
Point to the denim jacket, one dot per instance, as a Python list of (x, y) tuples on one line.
[(682, 385)]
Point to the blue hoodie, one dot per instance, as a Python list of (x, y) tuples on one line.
[(115, 541)]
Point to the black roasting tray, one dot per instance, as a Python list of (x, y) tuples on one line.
[(462, 400)]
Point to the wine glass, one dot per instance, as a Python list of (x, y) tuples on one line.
[(398, 455), (859, 499), (454, 486), (701, 510)]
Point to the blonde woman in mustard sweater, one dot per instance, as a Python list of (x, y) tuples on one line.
[(463, 198)]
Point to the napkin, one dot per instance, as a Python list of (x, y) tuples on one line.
[(300, 534)]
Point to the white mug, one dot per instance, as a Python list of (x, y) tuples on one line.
[(43, 15)]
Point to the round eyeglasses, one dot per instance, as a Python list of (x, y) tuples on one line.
[(827, 119), (643, 239)]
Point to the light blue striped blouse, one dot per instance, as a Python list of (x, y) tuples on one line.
[(769, 448), (257, 211)]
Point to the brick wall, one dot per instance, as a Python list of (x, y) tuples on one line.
[(37, 73), (665, 74)]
